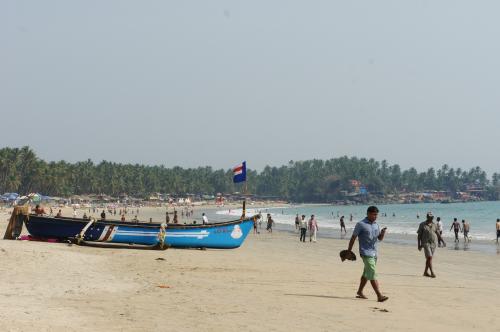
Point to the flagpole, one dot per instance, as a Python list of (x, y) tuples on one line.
[(240, 175)]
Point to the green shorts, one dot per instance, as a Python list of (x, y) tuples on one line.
[(369, 271)]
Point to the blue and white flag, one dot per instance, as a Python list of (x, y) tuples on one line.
[(240, 172)]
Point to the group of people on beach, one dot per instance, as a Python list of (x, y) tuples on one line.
[(257, 223), (464, 228), (302, 225), (187, 213), (368, 233), (429, 237)]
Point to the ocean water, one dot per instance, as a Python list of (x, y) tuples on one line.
[(402, 227)]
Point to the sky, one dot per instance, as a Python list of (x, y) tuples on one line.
[(195, 83)]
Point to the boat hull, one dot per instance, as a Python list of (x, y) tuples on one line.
[(99, 231), (218, 236), (225, 235)]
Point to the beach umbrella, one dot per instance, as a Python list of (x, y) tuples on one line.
[(35, 198), (12, 196)]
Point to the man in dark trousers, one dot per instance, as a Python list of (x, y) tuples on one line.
[(303, 228)]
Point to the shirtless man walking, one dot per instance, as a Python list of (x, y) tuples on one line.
[(456, 228), (466, 229), (342, 225)]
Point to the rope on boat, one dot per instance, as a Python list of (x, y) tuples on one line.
[(162, 236), (80, 237)]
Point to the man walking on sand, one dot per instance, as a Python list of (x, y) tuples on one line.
[(428, 235), (369, 233), (456, 228), (303, 228), (313, 229)]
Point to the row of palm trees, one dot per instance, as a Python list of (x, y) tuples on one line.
[(302, 181)]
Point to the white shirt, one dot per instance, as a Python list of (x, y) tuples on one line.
[(205, 220), (439, 225)]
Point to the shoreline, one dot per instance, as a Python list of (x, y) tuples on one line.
[(488, 247), (408, 241)]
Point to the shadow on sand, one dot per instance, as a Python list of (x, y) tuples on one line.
[(325, 296)]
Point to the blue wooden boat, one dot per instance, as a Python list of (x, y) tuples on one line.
[(219, 236), (225, 235)]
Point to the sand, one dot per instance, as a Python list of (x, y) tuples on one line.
[(271, 283)]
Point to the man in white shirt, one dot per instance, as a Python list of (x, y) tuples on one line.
[(303, 228), (439, 225), (205, 219)]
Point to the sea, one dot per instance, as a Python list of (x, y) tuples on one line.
[(401, 220)]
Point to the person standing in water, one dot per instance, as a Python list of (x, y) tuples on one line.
[(439, 225), (369, 234), (456, 228), (313, 229), (270, 223), (342, 225), (466, 229), (297, 222), (498, 229)]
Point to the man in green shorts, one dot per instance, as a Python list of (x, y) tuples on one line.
[(369, 233)]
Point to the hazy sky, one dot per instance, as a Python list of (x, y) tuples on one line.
[(194, 83)]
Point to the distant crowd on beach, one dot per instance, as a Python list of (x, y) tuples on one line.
[(133, 213), (308, 227), (463, 227)]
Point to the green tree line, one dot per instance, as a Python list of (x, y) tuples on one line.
[(302, 181)]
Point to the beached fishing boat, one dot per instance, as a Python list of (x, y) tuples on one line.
[(219, 235), (95, 231), (226, 235)]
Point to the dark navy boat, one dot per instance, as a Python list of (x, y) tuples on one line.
[(220, 235)]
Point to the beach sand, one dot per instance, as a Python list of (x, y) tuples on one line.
[(271, 283)]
